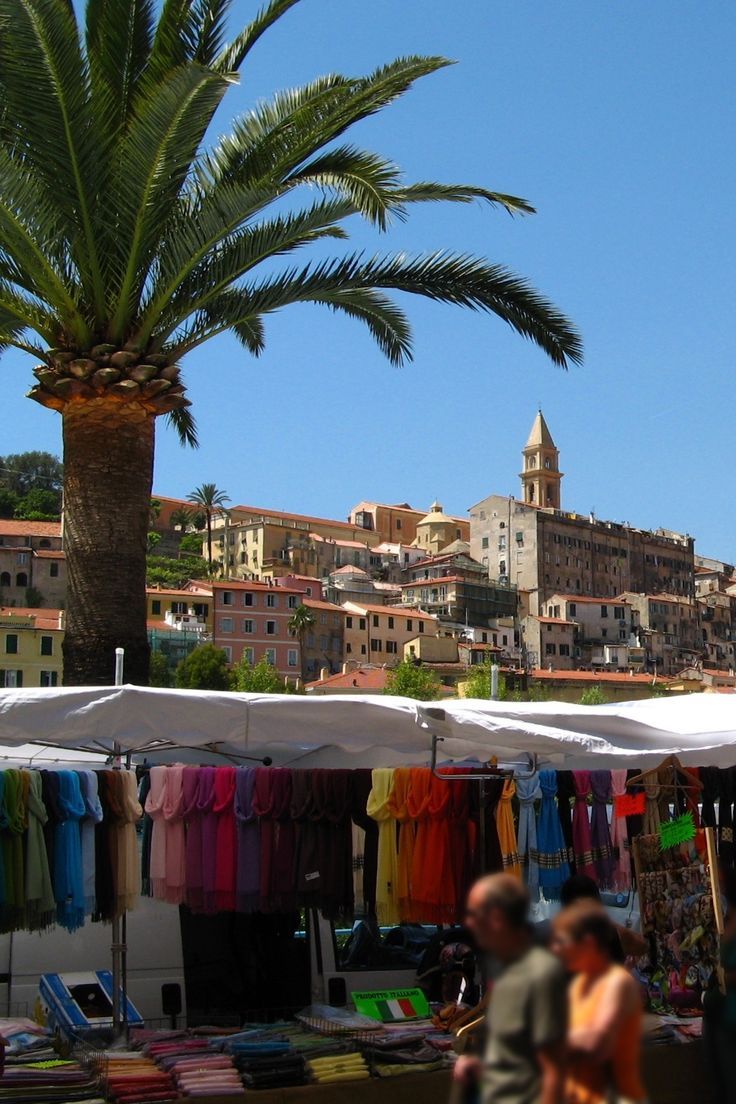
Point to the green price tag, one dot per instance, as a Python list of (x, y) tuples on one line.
[(392, 1005), (674, 832)]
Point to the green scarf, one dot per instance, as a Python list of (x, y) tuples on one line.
[(40, 903)]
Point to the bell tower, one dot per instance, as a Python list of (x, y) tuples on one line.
[(541, 478)]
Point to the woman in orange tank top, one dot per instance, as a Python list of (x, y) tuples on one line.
[(605, 1011)]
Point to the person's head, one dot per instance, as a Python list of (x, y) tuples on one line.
[(497, 914), (578, 887), (582, 936)]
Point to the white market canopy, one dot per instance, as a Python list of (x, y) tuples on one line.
[(370, 731)]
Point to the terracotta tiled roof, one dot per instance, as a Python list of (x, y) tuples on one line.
[(434, 582), (399, 611), (315, 603), (583, 599), (337, 543), (200, 591), (259, 512), (362, 678), (241, 584), (11, 528), (348, 570), (44, 618), (552, 620), (49, 553), (597, 676)]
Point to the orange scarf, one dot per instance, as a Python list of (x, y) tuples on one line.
[(407, 836), (507, 831)]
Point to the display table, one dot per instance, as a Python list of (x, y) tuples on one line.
[(674, 1074)]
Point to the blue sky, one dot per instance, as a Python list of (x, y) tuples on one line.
[(617, 122)]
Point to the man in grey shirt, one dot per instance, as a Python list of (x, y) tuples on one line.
[(524, 1061)]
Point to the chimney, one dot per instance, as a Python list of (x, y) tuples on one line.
[(62, 619), (324, 673), (345, 668)]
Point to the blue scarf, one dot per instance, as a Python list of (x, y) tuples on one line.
[(68, 872), (528, 791), (93, 816), (554, 868)]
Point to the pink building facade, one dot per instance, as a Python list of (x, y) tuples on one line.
[(252, 622)]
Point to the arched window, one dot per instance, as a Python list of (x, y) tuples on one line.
[(21, 579), (548, 464), (5, 579)]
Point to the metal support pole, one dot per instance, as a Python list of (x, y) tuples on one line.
[(118, 928), (494, 682)]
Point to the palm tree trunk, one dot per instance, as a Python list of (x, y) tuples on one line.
[(209, 538), (108, 475)]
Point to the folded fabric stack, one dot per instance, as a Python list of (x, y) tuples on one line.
[(48, 1082), (338, 1067), (133, 1079), (195, 1066)]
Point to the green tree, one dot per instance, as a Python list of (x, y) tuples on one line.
[(261, 679), (130, 239), (167, 571), (593, 696), (8, 503), (300, 623), (478, 682), (209, 500), (158, 670), (38, 504), (408, 680), (181, 518), (205, 668), (22, 472), (191, 545), (34, 598)]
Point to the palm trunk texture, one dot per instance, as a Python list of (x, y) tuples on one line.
[(108, 475)]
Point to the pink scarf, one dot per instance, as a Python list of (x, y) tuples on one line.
[(175, 845), (155, 809), (621, 880), (226, 865)]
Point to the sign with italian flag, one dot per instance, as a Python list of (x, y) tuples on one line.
[(392, 1005)]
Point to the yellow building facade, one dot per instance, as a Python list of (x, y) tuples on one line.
[(31, 647)]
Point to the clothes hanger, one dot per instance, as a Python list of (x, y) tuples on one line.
[(691, 781)]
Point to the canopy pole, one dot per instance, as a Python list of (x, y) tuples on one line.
[(118, 948)]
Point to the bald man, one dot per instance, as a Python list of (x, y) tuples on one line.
[(527, 1018)]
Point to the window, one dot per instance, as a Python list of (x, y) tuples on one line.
[(271, 601), (376, 645), (21, 579), (308, 592), (348, 648), (292, 601), (390, 622), (248, 598), (226, 624), (391, 647), (47, 645), (362, 623), (249, 626), (292, 657), (54, 570), (398, 523), (564, 649), (11, 679), (420, 626), (178, 607), (410, 625), (348, 622), (549, 648), (502, 567), (502, 544), (156, 605), (362, 649), (5, 578), (484, 542), (323, 619), (227, 598), (573, 608), (49, 678), (270, 628), (324, 643), (21, 558), (270, 656), (604, 611), (376, 621), (519, 538), (201, 609), (248, 656), (11, 644), (228, 653), (619, 612)]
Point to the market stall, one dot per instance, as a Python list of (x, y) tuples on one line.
[(303, 785)]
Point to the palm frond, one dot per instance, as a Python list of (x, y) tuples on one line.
[(182, 421), (231, 59), (429, 192), (119, 37), (370, 182)]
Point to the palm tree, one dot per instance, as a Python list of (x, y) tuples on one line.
[(127, 241), (181, 518), (210, 501), (300, 622)]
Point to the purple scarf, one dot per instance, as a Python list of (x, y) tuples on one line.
[(249, 842), (600, 833), (193, 820), (205, 807)]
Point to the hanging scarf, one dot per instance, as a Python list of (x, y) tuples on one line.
[(507, 831), (528, 792), (14, 825), (365, 845), (272, 802), (93, 816), (581, 835), (129, 871), (554, 868), (193, 838), (600, 835), (40, 903), (621, 878), (566, 795), (418, 802), (155, 810), (461, 839), (173, 804), (407, 834), (337, 857), (379, 807), (104, 885), (68, 874), (652, 818), (308, 872), (726, 849), (225, 866), (143, 792), (484, 798), (432, 878), (249, 842), (208, 821)]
